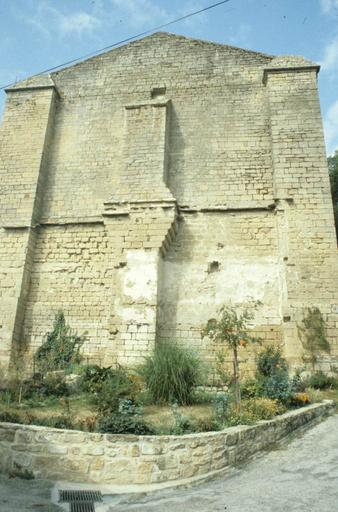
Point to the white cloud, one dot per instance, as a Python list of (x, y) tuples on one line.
[(139, 13), (241, 36), (79, 22), (330, 60), (50, 21), (329, 6), (331, 128)]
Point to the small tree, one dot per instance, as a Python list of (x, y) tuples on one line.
[(231, 330), (312, 335), (61, 347)]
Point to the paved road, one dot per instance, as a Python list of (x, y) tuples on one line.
[(303, 476), (300, 476)]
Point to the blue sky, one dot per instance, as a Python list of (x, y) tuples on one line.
[(38, 34)]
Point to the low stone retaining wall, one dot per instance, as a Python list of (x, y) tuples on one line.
[(126, 459)]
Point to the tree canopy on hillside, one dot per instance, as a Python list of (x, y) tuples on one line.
[(333, 172)]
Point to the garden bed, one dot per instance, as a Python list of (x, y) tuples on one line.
[(76, 456)]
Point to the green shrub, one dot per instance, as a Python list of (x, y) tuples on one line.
[(108, 386), (270, 361), (299, 382), (273, 376), (171, 374), (125, 420), (9, 416), (60, 421), (49, 385), (202, 396), (319, 380), (278, 387), (182, 424), (263, 408), (221, 404), (235, 418), (60, 349), (251, 388), (207, 425)]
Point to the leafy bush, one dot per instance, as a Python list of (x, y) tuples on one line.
[(60, 349), (319, 380), (240, 418), (45, 386), (60, 421), (126, 420), (251, 388), (63, 421), (203, 396), (171, 374), (108, 386), (263, 408), (270, 361), (299, 382), (207, 425), (221, 407), (273, 376), (9, 416), (182, 424), (278, 387)]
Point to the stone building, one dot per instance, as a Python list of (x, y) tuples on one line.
[(142, 188)]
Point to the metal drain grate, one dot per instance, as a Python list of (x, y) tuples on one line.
[(77, 496), (82, 506)]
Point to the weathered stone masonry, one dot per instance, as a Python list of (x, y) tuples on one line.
[(141, 189)]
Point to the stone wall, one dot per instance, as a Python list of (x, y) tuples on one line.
[(143, 188), (125, 459)]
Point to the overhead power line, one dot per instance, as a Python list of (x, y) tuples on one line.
[(123, 41)]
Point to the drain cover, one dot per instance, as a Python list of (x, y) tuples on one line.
[(82, 506), (79, 496)]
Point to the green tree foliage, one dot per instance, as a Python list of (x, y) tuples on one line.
[(333, 172), (107, 387), (272, 375), (61, 347), (230, 329)]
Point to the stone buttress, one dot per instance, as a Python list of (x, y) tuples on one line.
[(24, 142), (304, 214)]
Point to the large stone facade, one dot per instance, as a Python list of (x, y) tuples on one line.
[(144, 187)]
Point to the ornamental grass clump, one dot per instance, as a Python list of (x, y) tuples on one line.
[(171, 373)]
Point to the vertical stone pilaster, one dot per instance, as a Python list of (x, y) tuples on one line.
[(307, 243), (141, 221), (24, 137)]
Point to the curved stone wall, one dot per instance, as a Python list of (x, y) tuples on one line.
[(126, 459)]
